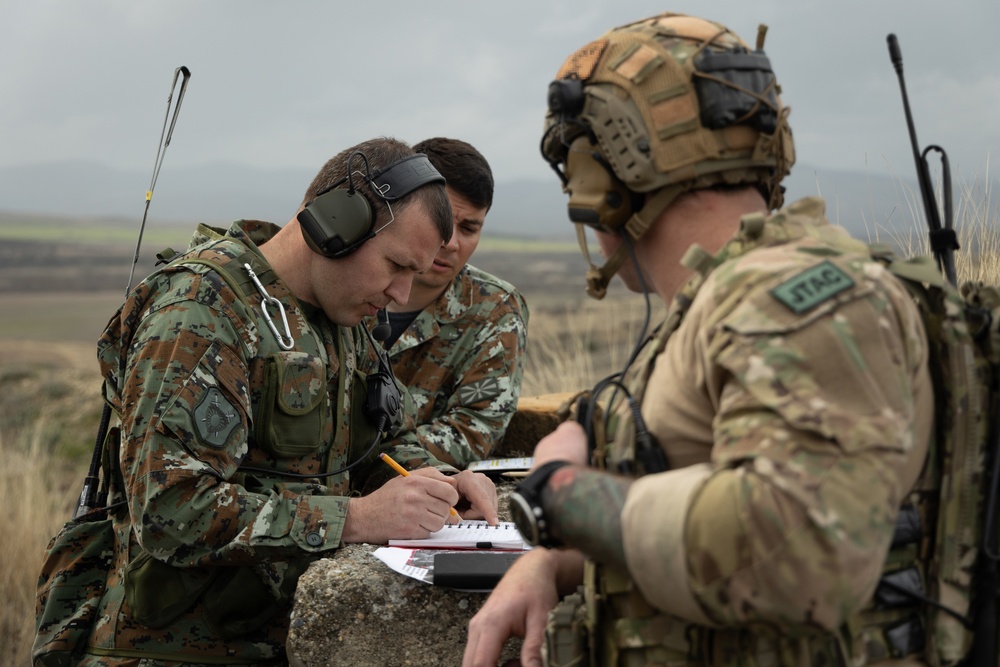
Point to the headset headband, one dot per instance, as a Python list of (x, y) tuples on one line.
[(404, 176)]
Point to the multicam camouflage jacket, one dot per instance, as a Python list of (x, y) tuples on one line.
[(790, 390), (462, 360), (209, 551)]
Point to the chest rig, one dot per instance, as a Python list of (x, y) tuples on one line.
[(296, 363), (302, 381)]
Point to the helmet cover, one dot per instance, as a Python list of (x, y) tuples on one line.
[(672, 100)]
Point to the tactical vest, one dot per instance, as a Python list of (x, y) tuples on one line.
[(293, 415), (937, 580)]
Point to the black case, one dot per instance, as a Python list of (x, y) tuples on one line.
[(477, 570)]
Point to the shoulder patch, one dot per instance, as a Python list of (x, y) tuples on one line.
[(215, 418), (812, 287), (485, 389)]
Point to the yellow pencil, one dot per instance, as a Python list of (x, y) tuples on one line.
[(406, 473)]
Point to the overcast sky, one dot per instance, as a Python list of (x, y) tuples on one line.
[(289, 84)]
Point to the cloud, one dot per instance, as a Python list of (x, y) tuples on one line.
[(289, 84)]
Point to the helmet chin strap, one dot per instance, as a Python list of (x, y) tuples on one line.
[(636, 226)]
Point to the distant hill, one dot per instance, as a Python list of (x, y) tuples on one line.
[(868, 204)]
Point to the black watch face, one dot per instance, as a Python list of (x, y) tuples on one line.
[(523, 517)]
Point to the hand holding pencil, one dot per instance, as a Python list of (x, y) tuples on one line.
[(406, 473), (417, 503)]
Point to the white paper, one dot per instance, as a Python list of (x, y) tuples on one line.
[(499, 465), (470, 535), (405, 561)]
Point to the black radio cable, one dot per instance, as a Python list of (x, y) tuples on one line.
[(648, 452)]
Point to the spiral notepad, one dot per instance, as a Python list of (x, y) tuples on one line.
[(470, 535)]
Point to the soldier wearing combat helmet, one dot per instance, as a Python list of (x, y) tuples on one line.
[(737, 504)]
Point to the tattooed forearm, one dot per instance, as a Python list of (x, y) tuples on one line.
[(584, 507)]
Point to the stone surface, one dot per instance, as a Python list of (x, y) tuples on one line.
[(352, 609)]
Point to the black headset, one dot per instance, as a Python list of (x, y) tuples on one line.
[(339, 220)]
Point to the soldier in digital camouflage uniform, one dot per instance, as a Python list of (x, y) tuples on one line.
[(462, 335), (220, 410), (788, 389)]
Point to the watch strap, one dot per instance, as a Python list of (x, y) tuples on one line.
[(528, 498), (533, 484)]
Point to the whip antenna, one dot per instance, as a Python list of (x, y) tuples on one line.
[(943, 239), (161, 150), (94, 496)]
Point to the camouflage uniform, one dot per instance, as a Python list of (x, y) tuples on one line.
[(462, 360), (207, 570), (791, 393)]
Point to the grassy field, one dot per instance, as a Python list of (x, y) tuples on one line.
[(57, 316), (50, 407), (101, 231), (104, 231), (49, 384)]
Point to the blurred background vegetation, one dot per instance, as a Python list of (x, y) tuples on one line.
[(61, 279)]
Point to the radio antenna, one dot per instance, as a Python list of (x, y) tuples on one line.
[(94, 496), (161, 151), (943, 239)]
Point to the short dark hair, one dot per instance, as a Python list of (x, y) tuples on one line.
[(466, 170), (382, 152)]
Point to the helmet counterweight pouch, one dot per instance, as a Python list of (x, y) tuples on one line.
[(729, 95)]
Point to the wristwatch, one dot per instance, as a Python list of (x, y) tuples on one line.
[(526, 506)]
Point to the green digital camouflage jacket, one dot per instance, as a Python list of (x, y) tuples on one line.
[(790, 391), (462, 360), (209, 551)]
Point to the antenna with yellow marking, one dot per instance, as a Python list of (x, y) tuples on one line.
[(95, 493), (165, 136)]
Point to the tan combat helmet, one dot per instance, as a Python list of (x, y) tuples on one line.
[(661, 106)]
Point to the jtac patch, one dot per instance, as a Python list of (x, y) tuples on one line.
[(812, 287), (215, 418)]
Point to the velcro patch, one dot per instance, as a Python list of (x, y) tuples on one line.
[(582, 63), (639, 64), (215, 418), (812, 287), (483, 390)]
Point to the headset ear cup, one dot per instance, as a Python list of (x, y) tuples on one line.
[(597, 197), (619, 204), (337, 222)]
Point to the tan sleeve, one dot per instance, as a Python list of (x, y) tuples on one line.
[(819, 426), (656, 556)]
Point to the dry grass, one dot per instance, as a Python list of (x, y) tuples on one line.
[(38, 483), (49, 409), (975, 220), (49, 402), (570, 350)]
